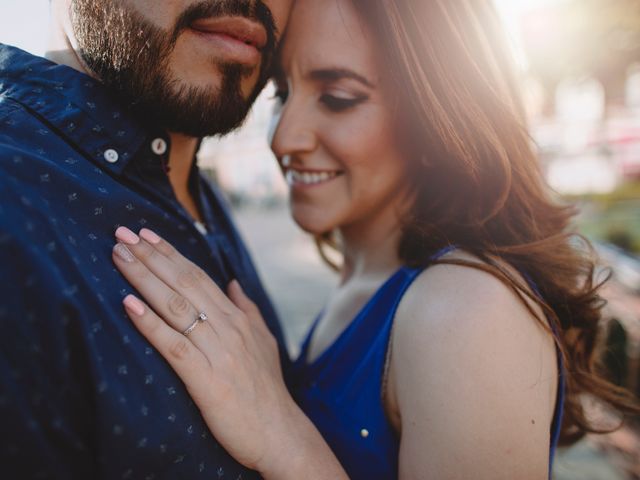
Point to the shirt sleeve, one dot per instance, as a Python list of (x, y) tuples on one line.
[(45, 410)]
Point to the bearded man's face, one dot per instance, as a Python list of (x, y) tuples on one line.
[(191, 67)]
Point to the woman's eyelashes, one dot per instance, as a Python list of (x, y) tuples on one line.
[(341, 103), (335, 102)]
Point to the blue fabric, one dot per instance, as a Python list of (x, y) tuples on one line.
[(82, 394), (341, 391)]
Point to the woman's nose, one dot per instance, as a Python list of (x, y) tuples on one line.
[(294, 132)]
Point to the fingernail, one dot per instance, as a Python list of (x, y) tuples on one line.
[(127, 236), (150, 236), (124, 253), (133, 304)]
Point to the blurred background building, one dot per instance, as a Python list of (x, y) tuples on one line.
[(580, 65)]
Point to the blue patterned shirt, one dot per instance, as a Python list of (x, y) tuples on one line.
[(82, 394)]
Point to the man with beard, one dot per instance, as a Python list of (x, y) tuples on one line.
[(101, 134)]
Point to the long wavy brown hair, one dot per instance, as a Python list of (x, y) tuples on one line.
[(478, 183)]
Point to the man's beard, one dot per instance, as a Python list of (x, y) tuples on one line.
[(131, 56)]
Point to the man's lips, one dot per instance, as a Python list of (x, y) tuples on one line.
[(238, 28)]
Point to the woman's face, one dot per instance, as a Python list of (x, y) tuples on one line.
[(334, 137)]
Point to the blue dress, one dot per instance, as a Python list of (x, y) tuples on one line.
[(341, 391)]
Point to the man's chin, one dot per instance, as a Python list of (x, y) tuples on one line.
[(212, 108), (197, 117), (205, 128)]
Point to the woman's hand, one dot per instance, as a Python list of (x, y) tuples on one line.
[(229, 361)]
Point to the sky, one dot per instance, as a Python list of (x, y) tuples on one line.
[(24, 23)]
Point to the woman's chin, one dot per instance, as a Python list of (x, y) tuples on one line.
[(310, 229), (312, 226)]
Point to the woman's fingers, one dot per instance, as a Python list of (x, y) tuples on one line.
[(184, 357), (244, 303), (178, 294), (175, 270), (240, 299), (229, 364), (183, 273), (178, 312)]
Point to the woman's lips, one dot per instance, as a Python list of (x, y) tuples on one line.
[(235, 38), (310, 177)]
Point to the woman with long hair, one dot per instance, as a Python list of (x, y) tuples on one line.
[(460, 342)]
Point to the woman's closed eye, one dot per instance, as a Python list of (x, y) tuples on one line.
[(334, 102), (338, 103)]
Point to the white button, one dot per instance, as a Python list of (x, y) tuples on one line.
[(111, 155), (200, 227), (159, 146), (364, 433)]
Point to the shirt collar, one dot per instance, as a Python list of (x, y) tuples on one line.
[(77, 106)]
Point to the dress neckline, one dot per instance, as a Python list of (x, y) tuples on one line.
[(302, 359), (302, 363)]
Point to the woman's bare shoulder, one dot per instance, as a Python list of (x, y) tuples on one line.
[(477, 300), (470, 363)]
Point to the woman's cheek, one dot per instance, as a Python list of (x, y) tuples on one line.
[(355, 139)]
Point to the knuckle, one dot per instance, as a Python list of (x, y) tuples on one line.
[(229, 361), (199, 274), (146, 253), (178, 305), (227, 311), (252, 308), (152, 325), (236, 337), (140, 270), (186, 279), (166, 249), (179, 349), (242, 323), (230, 311)]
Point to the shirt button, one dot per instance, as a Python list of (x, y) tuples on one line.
[(111, 155), (159, 146), (200, 227)]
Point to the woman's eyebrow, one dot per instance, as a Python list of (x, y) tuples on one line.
[(334, 74)]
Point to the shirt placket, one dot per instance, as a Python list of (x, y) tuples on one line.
[(149, 172)]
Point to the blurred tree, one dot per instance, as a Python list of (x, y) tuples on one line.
[(577, 38), (620, 237), (615, 355)]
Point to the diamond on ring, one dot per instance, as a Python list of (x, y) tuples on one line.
[(202, 317)]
